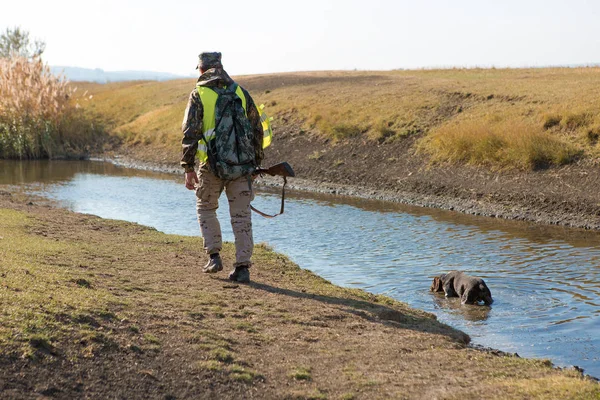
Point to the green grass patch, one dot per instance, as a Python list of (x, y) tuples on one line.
[(40, 299), (301, 374), (83, 283), (246, 326), (243, 374), (150, 338), (222, 355), (210, 365)]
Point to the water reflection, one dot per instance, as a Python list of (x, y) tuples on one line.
[(473, 313), (47, 172), (545, 280)]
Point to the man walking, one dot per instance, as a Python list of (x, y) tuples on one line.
[(203, 137)]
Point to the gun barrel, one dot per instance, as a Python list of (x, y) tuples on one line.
[(281, 169)]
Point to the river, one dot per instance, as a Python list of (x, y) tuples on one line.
[(545, 280)]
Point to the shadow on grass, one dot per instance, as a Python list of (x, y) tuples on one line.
[(374, 312)]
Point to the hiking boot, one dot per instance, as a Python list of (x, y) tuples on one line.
[(214, 264), (240, 274)]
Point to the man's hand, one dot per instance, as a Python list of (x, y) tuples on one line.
[(191, 180)]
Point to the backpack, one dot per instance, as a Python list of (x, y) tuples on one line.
[(231, 153)]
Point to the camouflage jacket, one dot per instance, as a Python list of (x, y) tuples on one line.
[(192, 120)]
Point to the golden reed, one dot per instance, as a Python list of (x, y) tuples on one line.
[(38, 118)]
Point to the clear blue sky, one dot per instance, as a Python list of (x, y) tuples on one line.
[(275, 36)]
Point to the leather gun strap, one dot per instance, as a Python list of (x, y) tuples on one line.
[(282, 203)]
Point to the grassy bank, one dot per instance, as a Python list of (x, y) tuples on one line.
[(501, 118), (99, 308)]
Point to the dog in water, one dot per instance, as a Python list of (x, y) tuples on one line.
[(470, 289)]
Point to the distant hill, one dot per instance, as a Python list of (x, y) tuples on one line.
[(98, 75)]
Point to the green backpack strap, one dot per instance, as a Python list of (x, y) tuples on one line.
[(228, 90), (232, 88)]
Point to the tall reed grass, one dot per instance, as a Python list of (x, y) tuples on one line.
[(38, 116)]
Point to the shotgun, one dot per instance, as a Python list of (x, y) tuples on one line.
[(282, 169)]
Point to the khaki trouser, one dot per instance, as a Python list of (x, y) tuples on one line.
[(239, 196)]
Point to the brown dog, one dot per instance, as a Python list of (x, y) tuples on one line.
[(457, 284)]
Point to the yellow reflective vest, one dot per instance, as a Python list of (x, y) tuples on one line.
[(209, 101), (266, 125)]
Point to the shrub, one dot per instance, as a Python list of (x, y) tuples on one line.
[(382, 130), (37, 117), (552, 120), (344, 130), (574, 121), (504, 144), (593, 134)]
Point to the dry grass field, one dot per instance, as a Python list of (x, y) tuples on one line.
[(501, 118)]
